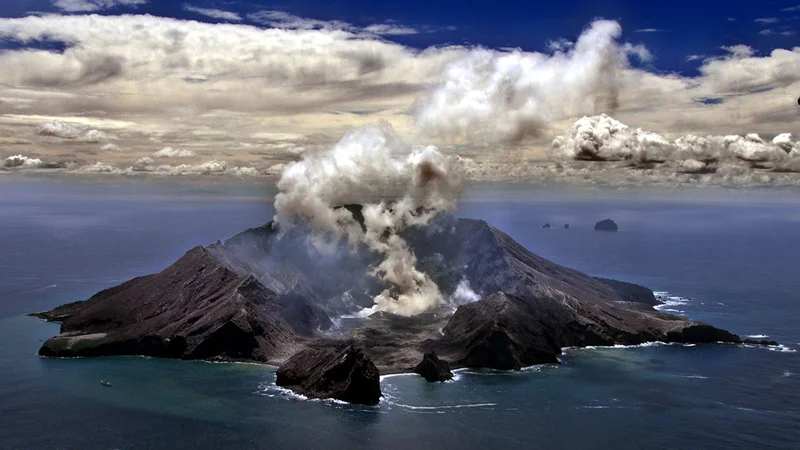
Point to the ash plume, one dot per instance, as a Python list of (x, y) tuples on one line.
[(398, 187)]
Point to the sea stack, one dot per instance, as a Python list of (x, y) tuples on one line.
[(606, 225), (566, 226), (433, 369), (547, 225), (345, 374)]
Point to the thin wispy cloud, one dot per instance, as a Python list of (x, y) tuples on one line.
[(792, 8), (386, 29), (214, 13), (288, 21), (650, 30), (766, 20), (93, 5), (766, 32), (694, 57)]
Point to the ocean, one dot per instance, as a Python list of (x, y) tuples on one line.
[(730, 258)]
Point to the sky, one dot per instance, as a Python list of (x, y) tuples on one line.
[(585, 92)]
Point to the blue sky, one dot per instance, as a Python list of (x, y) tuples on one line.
[(671, 30)]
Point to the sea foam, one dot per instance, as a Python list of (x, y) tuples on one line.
[(670, 303)]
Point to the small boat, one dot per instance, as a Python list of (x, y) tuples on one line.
[(105, 383)]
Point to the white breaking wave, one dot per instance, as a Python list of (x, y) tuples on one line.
[(757, 336), (670, 303), (470, 405), (272, 390)]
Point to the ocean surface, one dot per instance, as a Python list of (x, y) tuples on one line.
[(729, 258)]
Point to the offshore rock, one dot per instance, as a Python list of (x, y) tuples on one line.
[(345, 374), (606, 225), (433, 369)]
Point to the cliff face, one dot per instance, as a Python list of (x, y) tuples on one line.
[(265, 295), (197, 308)]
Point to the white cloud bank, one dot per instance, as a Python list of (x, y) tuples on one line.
[(602, 138), (169, 152), (215, 88), (66, 131), (20, 161)]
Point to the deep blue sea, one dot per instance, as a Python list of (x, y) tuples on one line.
[(731, 258)]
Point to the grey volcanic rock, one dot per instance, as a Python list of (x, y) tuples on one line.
[(606, 225), (433, 369), (345, 374), (547, 225), (266, 294), (498, 333), (630, 292), (566, 226), (195, 309)]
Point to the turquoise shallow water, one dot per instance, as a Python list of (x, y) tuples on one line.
[(733, 262)]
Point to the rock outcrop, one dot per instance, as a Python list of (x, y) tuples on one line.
[(345, 374), (606, 225), (195, 309), (547, 225), (433, 369)]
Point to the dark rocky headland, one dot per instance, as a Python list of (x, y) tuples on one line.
[(270, 297)]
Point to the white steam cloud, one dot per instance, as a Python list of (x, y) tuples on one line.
[(463, 294), (398, 186), (499, 96)]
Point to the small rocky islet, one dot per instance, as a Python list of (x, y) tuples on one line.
[(266, 296)]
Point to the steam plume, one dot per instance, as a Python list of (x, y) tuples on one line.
[(398, 186), (501, 96)]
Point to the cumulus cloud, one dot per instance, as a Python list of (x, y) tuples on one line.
[(245, 171), (21, 161), (399, 186), (744, 72), (111, 148), (169, 152), (499, 96), (170, 82), (66, 131), (99, 167), (215, 65), (603, 138), (347, 77), (93, 5), (207, 167), (214, 13)]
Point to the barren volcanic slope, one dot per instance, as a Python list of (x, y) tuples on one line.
[(264, 296)]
